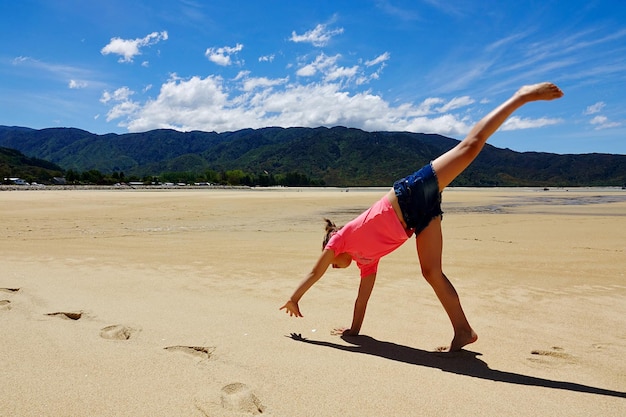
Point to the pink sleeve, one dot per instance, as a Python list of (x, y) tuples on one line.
[(335, 244)]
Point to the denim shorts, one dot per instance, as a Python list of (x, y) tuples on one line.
[(419, 198)]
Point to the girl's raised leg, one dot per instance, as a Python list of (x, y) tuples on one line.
[(449, 165)]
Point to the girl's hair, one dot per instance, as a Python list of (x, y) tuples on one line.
[(331, 229)]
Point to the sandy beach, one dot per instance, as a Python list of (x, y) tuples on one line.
[(166, 303)]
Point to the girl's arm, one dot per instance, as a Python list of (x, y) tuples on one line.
[(360, 305), (291, 306)]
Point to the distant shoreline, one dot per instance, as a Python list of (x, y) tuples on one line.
[(277, 188)]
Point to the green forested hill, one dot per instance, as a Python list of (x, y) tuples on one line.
[(337, 156), (15, 164)]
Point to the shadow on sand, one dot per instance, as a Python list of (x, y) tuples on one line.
[(464, 362)]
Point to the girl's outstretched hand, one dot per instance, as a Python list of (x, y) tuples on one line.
[(292, 309)]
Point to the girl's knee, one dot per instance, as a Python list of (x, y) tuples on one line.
[(432, 275)]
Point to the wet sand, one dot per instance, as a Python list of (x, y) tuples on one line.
[(165, 303)]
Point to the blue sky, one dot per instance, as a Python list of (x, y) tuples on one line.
[(403, 65)]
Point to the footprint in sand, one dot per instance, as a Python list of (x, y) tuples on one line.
[(117, 332), (203, 352), (240, 398), (6, 304), (71, 315), (236, 400), (552, 357), (602, 346)]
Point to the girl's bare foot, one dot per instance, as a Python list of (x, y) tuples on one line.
[(343, 331), (459, 341), (338, 331), (541, 91)]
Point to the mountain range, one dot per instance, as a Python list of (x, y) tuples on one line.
[(335, 156)]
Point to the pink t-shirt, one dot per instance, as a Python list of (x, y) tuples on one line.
[(374, 234)]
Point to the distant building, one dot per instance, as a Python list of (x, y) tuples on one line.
[(15, 181)]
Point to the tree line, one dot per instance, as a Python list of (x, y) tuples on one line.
[(234, 177)]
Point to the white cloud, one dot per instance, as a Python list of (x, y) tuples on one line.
[(326, 66), (215, 104), (307, 70), (250, 84), (378, 60), (323, 92), (447, 124), (599, 120), (121, 94), (73, 84), (426, 106), (129, 48), (518, 123), (456, 103), (321, 64), (222, 56), (319, 36), (594, 108), (266, 58), (505, 42), (77, 76), (124, 109), (406, 13), (602, 122), (341, 73), (21, 59)]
